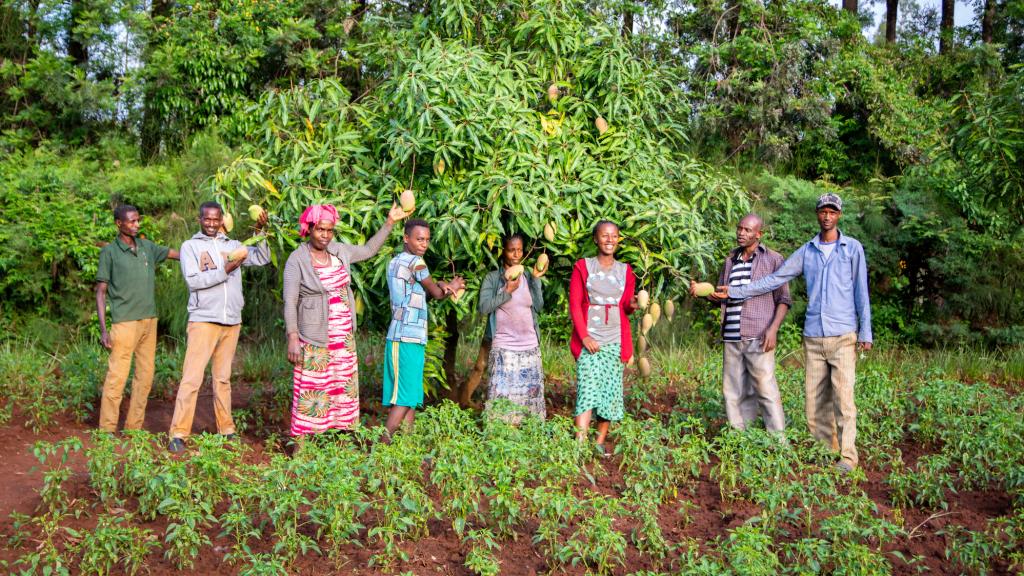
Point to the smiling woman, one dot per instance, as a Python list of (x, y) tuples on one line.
[(320, 319), (600, 301)]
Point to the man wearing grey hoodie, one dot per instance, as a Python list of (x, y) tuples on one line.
[(210, 263)]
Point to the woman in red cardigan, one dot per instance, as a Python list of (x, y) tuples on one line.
[(600, 301)]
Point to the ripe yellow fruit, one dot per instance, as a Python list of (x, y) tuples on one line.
[(645, 367), (655, 311), (514, 272), (643, 299), (458, 294), (439, 166), (359, 306), (255, 211), (549, 232), (670, 309), (601, 124), (641, 344), (646, 323), (408, 201), (227, 222), (703, 289), (238, 254), (553, 92), (541, 266)]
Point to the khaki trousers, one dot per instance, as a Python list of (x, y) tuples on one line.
[(828, 383), (206, 340), (138, 338), (749, 385)]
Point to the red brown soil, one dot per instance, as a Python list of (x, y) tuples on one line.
[(442, 551)]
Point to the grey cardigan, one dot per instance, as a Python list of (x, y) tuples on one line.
[(493, 295), (305, 298)]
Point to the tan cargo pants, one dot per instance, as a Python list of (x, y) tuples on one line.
[(828, 383), (206, 340), (133, 338)]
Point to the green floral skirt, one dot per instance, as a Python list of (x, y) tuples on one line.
[(599, 383)]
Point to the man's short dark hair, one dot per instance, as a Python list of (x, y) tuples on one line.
[(415, 223), (122, 211), (211, 204)]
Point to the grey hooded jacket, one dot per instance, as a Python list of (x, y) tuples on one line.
[(213, 295), (305, 298)]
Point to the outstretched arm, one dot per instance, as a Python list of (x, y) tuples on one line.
[(790, 269)]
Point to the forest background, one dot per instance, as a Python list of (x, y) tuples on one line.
[(488, 110)]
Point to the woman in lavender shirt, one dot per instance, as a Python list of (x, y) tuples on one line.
[(511, 307)]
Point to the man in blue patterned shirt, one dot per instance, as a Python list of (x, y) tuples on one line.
[(838, 320), (409, 284)]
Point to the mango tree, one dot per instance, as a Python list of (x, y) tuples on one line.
[(507, 119)]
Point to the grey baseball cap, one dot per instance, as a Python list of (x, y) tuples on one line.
[(830, 200)]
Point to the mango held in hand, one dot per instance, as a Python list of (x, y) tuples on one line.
[(703, 289), (643, 299), (601, 124), (541, 266), (670, 309), (256, 211), (238, 254), (227, 222), (646, 323), (645, 367), (408, 201), (458, 294), (549, 232), (514, 272)]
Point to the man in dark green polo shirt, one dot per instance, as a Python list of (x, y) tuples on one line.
[(126, 278)]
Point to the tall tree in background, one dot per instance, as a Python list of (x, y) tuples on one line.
[(78, 51), (988, 17), (891, 8), (946, 26), (150, 132)]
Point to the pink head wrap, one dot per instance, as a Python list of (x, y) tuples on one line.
[(315, 213)]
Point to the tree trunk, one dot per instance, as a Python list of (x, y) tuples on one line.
[(627, 24), (850, 6), (475, 376), (946, 26), (151, 133), (891, 7), (451, 346), (988, 17), (352, 76), (77, 51)]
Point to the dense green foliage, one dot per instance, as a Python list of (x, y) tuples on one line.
[(292, 102)]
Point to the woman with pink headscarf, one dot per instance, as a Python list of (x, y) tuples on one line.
[(320, 321)]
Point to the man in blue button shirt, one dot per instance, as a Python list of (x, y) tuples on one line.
[(838, 320)]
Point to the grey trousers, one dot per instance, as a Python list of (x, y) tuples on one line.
[(749, 386)]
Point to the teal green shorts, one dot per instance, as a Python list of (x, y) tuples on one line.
[(403, 365)]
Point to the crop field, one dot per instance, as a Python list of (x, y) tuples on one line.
[(941, 488)]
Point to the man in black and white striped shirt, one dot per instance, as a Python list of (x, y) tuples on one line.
[(738, 276), (749, 332)]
